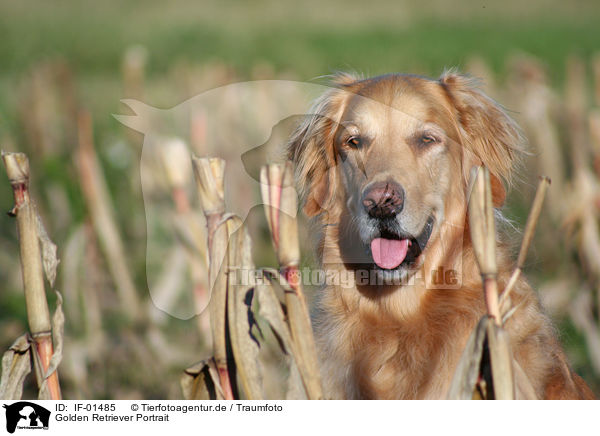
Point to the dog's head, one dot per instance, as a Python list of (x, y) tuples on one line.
[(388, 159)]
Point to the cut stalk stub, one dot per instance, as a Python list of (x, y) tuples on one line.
[(175, 159), (210, 181), (279, 196), (210, 174), (17, 170), (17, 167), (481, 221)]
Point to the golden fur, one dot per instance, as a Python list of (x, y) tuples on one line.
[(403, 342)]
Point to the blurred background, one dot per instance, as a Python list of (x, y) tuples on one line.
[(65, 66)]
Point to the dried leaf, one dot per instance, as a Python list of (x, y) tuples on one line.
[(218, 279), (201, 382), (501, 362), (16, 364), (304, 348), (58, 333), (218, 293), (50, 259), (295, 389), (240, 292), (467, 370), (271, 310)]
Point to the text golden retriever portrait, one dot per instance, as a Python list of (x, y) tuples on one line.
[(383, 165)]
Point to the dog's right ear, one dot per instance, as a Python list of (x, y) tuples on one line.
[(312, 151), (490, 136)]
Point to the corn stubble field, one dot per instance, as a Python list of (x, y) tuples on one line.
[(83, 179)]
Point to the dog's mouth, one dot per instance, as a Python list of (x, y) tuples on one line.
[(391, 251)]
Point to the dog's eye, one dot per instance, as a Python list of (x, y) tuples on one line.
[(428, 139), (354, 142)]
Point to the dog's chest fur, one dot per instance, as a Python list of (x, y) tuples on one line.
[(369, 355)]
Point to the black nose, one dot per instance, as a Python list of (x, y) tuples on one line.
[(383, 199)]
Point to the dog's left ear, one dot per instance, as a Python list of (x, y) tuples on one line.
[(489, 135)]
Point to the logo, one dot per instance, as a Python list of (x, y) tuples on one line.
[(26, 415)]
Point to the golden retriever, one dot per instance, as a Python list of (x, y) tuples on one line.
[(383, 166)]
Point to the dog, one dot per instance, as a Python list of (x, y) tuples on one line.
[(382, 165)]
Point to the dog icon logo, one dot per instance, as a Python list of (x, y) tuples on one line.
[(26, 415), (245, 124)]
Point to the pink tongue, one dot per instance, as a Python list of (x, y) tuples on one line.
[(388, 253)]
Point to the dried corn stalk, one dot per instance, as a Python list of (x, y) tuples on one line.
[(532, 220), (235, 288), (279, 198), (37, 252), (209, 180), (483, 236), (175, 158), (506, 379), (470, 379), (100, 206)]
